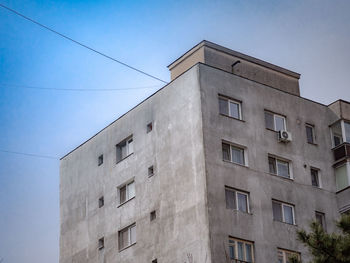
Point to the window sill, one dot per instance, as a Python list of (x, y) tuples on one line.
[(124, 158), (285, 223), (346, 188), (239, 211), (120, 250), (282, 177), (228, 116), (312, 143), (126, 202), (271, 130), (242, 165)]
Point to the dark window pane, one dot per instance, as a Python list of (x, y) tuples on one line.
[(232, 251), (272, 165), (240, 250), (248, 251), (309, 134), (314, 177), (226, 155), (122, 194), (269, 122), (277, 211), (230, 199), (223, 106)]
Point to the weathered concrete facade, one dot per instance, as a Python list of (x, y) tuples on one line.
[(187, 190)]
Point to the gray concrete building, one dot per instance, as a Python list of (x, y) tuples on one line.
[(223, 164)]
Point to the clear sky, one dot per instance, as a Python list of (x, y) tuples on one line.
[(309, 37)]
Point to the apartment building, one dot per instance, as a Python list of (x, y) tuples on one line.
[(223, 164)]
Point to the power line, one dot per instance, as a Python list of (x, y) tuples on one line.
[(69, 89), (81, 44), (31, 154)]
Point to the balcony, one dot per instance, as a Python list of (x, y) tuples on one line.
[(341, 152)]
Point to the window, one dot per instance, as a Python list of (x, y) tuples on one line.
[(347, 131), (233, 154), (342, 176), (101, 243), (321, 219), (274, 121), (126, 192), (283, 212), (101, 202), (153, 215), (279, 167), (127, 236), (154, 261), (284, 255), (150, 171), (237, 200), (337, 137), (124, 149), (315, 180), (310, 133), (230, 107), (241, 250), (100, 160), (149, 127)]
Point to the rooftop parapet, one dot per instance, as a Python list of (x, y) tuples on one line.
[(239, 64)]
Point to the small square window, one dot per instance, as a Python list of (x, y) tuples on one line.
[(149, 127), (279, 167), (230, 107), (101, 243), (310, 133), (233, 154), (100, 160), (274, 121), (153, 215), (150, 171), (154, 261), (101, 202)]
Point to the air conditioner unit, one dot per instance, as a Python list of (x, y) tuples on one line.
[(284, 136)]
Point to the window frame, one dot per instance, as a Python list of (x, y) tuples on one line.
[(241, 148), (274, 115), (130, 242), (236, 192), (284, 254), (119, 148), (319, 181), (283, 204), (234, 101), (323, 219), (127, 190), (281, 160), (313, 134), (235, 246)]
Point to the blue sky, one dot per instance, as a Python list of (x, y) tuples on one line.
[(309, 37)]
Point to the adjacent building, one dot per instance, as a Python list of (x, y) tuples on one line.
[(223, 164)]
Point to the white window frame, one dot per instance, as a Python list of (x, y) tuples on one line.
[(318, 177), (127, 189), (239, 147), (236, 240), (128, 228), (307, 125), (281, 160), (236, 198), (274, 120), (284, 254), (230, 100), (129, 148), (282, 206)]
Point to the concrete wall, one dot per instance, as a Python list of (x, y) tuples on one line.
[(176, 191), (259, 226)]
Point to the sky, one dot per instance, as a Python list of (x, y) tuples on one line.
[(309, 37)]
